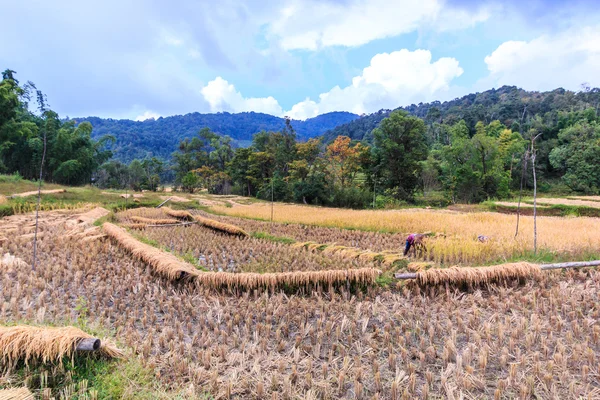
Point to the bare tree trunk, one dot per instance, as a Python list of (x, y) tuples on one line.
[(37, 207), (534, 203), (525, 157), (533, 139)]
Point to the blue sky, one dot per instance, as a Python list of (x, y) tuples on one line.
[(147, 58)]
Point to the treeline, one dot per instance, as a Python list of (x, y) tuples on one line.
[(70, 154), (160, 137), (405, 160)]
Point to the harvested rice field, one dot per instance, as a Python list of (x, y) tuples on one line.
[(322, 326), (456, 233)]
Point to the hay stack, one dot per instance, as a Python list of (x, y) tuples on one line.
[(44, 344), (477, 276), (152, 221), (16, 394), (220, 226), (164, 263)]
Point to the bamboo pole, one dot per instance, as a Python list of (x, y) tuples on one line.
[(91, 344), (162, 225), (577, 264), (163, 203)]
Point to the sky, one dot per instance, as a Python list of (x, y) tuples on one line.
[(140, 59)]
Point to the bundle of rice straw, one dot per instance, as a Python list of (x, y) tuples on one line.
[(91, 216), (480, 275), (44, 344), (178, 213), (220, 226), (151, 221), (298, 278), (164, 263), (16, 394)]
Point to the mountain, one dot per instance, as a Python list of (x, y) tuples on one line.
[(161, 137), (509, 104)]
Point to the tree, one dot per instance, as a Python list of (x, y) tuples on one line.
[(399, 147), (578, 156), (344, 160)]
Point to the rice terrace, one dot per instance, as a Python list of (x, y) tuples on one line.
[(197, 301), (300, 200)]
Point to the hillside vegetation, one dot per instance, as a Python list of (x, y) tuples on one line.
[(159, 138)]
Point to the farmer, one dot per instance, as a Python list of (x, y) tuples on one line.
[(410, 241)]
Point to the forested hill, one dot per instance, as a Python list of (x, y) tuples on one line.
[(508, 104), (161, 137)]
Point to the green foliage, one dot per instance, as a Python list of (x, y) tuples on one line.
[(578, 156), (272, 238), (72, 156), (399, 148)]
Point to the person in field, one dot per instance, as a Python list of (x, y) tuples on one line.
[(410, 241)]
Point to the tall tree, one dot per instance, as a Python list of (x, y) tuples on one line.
[(399, 147)]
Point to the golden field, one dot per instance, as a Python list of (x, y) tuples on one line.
[(570, 237), (508, 341)]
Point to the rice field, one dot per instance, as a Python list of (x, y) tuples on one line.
[(524, 338), (456, 233), (508, 341), (584, 201)]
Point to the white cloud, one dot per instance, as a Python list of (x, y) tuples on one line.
[(391, 80), (314, 24), (222, 96), (566, 59), (147, 115)]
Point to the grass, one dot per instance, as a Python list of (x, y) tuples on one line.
[(272, 238)]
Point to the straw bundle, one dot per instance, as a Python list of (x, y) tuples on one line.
[(161, 221), (178, 213), (476, 276), (298, 278), (220, 226), (419, 266), (45, 344), (164, 263), (16, 394), (35, 192), (91, 216), (387, 257)]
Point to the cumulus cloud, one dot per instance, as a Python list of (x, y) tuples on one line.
[(147, 115), (391, 80), (222, 96), (312, 24), (566, 59)]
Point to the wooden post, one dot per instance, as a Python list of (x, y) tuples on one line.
[(91, 344)]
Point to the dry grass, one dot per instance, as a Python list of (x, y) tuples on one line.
[(576, 237), (44, 344), (163, 263), (479, 275), (16, 394), (151, 221)]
